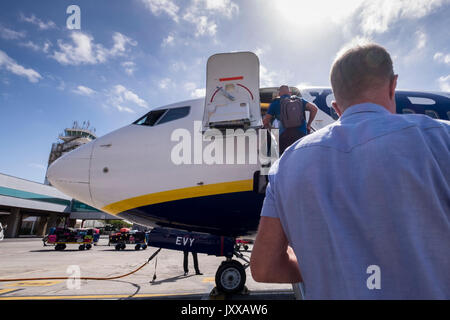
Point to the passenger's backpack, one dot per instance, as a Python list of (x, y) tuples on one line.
[(292, 112)]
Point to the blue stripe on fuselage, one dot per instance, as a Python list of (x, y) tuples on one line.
[(441, 105), (231, 214)]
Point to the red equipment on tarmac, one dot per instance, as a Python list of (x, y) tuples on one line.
[(127, 236)]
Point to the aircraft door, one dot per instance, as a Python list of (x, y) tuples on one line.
[(232, 91)]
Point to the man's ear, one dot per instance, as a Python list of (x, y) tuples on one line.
[(392, 87), (336, 108)]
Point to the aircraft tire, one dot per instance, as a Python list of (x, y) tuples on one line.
[(230, 277)]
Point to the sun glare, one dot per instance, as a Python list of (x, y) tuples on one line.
[(316, 12)]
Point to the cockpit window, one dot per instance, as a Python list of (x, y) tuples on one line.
[(150, 118), (162, 116), (175, 114)]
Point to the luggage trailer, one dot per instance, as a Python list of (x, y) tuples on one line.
[(61, 237), (126, 236)]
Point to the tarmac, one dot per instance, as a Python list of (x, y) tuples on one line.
[(28, 258)]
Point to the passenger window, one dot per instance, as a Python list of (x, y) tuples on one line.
[(175, 114), (432, 114), (151, 118), (407, 111)]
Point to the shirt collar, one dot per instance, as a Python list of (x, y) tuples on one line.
[(364, 108)]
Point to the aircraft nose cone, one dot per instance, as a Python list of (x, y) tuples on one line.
[(70, 173)]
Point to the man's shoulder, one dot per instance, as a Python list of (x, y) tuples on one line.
[(275, 102), (273, 107), (424, 121), (344, 136)]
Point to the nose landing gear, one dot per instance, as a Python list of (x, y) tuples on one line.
[(230, 276)]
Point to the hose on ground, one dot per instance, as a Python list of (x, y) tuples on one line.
[(87, 278)]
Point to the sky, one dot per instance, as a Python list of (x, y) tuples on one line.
[(131, 56)]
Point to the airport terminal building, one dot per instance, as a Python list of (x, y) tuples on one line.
[(29, 208)]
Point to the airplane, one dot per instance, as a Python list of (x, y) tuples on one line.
[(194, 203)]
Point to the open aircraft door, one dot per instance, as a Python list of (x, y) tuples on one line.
[(232, 91)]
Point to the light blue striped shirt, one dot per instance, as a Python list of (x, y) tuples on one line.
[(371, 189)]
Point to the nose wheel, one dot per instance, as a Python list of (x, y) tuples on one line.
[(230, 277)]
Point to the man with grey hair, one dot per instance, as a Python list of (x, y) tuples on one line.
[(370, 219)]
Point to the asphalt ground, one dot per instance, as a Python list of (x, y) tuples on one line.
[(28, 258)]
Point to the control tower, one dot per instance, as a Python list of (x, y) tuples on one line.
[(71, 139)]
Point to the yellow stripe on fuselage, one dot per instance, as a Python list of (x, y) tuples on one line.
[(178, 194)]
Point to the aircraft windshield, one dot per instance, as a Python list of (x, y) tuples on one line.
[(163, 116)]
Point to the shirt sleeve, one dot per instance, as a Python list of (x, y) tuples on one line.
[(272, 108), (304, 102), (269, 208)]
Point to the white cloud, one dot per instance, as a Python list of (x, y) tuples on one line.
[(203, 14), (169, 40), (442, 58), (421, 39), (356, 41), (120, 43), (12, 66), (444, 83), (178, 65), (38, 22), (267, 78), (165, 83), (205, 26), (34, 46), (194, 92), (259, 52), (30, 44), (118, 96), (190, 86), (83, 49), (124, 109), (163, 6), (9, 34), (130, 96), (46, 46), (129, 66), (84, 91), (377, 16), (224, 7), (198, 93)]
